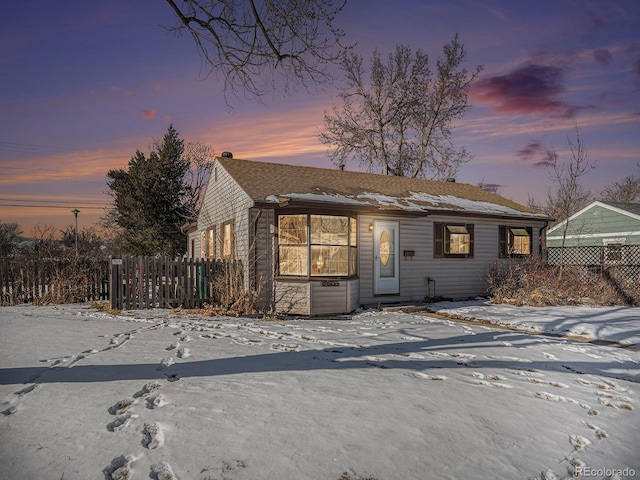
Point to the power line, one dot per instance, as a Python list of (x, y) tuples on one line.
[(85, 207), (84, 202)]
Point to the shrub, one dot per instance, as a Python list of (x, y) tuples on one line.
[(533, 282)]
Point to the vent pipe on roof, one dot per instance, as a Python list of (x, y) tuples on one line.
[(451, 180), (227, 155)]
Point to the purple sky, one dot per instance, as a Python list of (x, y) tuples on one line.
[(85, 84)]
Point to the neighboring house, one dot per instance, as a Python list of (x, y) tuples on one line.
[(600, 224), (324, 241)]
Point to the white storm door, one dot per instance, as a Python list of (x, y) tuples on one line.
[(385, 257)]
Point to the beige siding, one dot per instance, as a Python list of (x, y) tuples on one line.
[(292, 297), (456, 278), (262, 238), (224, 201), (333, 296)]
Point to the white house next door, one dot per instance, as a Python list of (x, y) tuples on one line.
[(386, 261)]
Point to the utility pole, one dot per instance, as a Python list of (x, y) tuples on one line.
[(75, 211)]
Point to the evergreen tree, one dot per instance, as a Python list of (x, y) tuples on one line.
[(150, 199)]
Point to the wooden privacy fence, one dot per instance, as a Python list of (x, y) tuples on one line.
[(139, 282), (53, 280)]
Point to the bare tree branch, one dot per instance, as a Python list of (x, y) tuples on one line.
[(256, 43), (400, 123)]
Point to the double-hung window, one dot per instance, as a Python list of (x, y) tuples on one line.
[(227, 240), (514, 241), (211, 242), (317, 245), (452, 240)]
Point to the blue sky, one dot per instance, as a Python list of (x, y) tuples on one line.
[(85, 84)]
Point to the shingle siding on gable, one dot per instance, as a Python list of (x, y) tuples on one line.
[(224, 201)]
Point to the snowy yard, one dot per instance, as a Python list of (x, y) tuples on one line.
[(169, 395)]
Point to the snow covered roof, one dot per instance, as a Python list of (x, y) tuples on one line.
[(280, 183)]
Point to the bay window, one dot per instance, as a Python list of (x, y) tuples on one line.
[(317, 245)]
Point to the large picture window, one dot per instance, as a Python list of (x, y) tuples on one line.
[(514, 241), (317, 245), (452, 240)]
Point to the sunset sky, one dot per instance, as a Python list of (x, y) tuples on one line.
[(86, 83)]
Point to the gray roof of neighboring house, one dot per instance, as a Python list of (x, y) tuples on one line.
[(280, 183), (629, 207)]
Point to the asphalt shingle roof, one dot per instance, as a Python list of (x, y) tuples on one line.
[(272, 182), (629, 207)]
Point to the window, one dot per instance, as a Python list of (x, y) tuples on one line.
[(452, 240), (203, 245), (292, 240), (211, 242), (514, 241), (317, 245), (227, 241)]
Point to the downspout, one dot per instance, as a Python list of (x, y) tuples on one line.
[(542, 232)]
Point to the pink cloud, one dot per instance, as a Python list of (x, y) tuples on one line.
[(527, 89), (149, 114)]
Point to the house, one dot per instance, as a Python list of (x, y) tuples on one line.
[(326, 241), (599, 223), (602, 233)]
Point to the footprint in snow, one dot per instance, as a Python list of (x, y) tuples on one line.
[(119, 469), (490, 380), (155, 401), (121, 407), (615, 401), (165, 362), (162, 471), (424, 376), (14, 401), (147, 389), (532, 373), (122, 422), (561, 399), (286, 347), (600, 433), (183, 353), (579, 442), (152, 436)]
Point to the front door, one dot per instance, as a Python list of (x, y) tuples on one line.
[(386, 261)]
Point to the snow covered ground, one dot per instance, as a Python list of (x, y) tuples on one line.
[(171, 395)]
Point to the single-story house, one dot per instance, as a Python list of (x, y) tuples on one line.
[(326, 241), (599, 223), (601, 233)]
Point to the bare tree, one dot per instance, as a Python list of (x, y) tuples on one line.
[(200, 156), (568, 195), (245, 39), (400, 122), (626, 190)]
